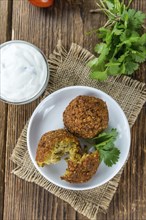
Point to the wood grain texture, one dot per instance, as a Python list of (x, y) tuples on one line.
[(26, 201), (3, 124), (5, 35)]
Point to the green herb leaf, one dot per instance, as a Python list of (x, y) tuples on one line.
[(123, 45), (110, 155), (99, 48), (103, 55), (106, 136), (138, 57), (93, 63), (135, 19), (131, 67), (143, 39), (110, 5), (104, 143), (100, 75)]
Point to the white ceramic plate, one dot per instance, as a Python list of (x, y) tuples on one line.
[(48, 116)]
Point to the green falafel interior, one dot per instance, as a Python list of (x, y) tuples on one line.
[(81, 165), (55, 144)]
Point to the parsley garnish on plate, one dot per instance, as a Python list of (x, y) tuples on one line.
[(123, 46), (104, 144)]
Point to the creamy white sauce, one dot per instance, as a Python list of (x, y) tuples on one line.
[(23, 72)]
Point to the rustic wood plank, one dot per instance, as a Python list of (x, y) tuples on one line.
[(5, 20), (5, 34), (129, 200), (3, 123), (26, 201)]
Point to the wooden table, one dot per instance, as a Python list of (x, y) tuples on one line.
[(43, 27)]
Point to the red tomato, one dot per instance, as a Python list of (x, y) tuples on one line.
[(42, 3)]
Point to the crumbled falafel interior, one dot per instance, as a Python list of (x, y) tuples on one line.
[(53, 145), (69, 149), (82, 169)]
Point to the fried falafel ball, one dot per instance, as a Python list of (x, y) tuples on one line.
[(86, 116), (83, 169), (54, 144)]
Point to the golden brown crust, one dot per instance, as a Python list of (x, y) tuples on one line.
[(52, 140), (83, 170), (54, 144), (86, 116)]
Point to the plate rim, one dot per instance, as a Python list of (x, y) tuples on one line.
[(33, 160)]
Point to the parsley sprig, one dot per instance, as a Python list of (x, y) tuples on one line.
[(104, 144), (123, 46)]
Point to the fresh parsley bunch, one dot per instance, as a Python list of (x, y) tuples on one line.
[(104, 144), (123, 45)]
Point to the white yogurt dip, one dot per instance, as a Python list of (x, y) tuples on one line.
[(23, 71)]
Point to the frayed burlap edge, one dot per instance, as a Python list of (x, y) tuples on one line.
[(30, 174)]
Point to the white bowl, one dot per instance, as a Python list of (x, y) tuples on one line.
[(44, 83), (48, 116)]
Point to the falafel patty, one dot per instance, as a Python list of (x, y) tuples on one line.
[(82, 170), (54, 144), (86, 116)]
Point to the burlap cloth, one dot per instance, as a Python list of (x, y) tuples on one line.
[(69, 68)]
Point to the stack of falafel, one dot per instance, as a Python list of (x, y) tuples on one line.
[(84, 117)]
